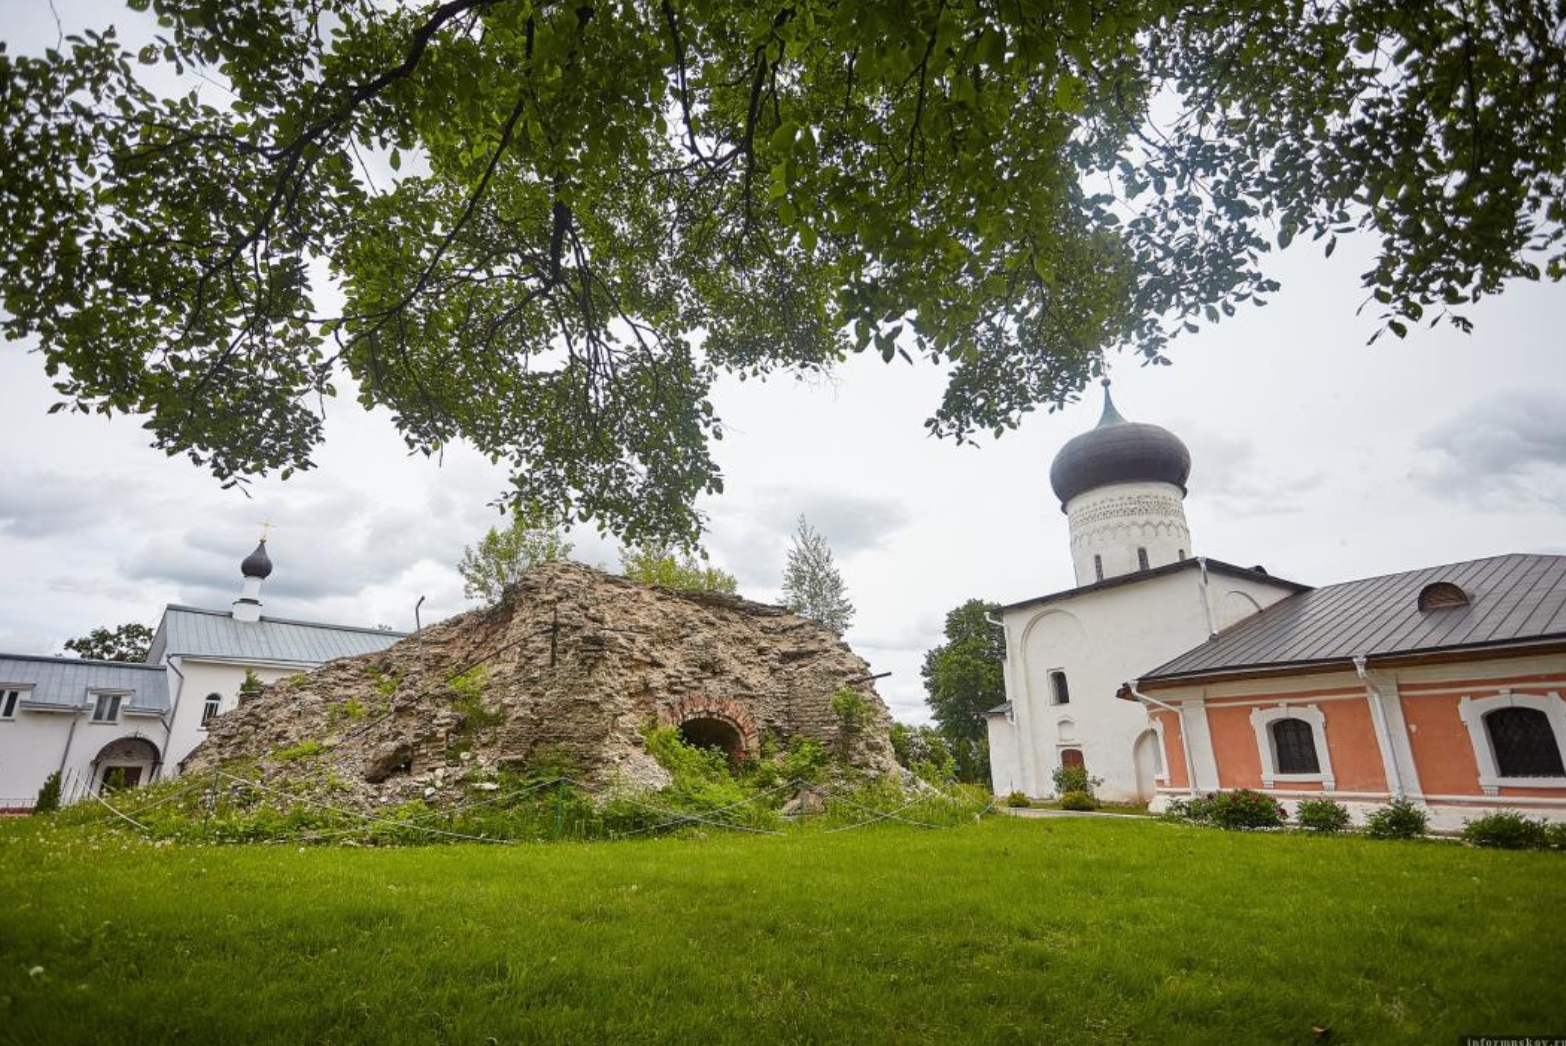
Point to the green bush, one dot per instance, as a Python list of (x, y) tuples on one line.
[(302, 750), (1555, 835), (853, 714), (48, 795), (1241, 808), (1018, 800), (1506, 830), (1078, 800), (1322, 815), (1074, 779), (467, 691), (1399, 819)]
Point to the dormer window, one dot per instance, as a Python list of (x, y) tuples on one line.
[(1441, 595), (106, 707)]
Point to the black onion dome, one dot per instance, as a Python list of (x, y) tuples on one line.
[(258, 564), (1118, 451)]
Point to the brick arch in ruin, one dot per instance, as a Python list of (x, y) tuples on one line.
[(715, 722)]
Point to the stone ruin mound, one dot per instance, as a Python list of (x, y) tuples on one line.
[(565, 671)]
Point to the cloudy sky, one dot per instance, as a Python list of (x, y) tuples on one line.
[(1318, 456)]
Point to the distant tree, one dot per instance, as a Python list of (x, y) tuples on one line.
[(508, 552), (126, 643), (963, 678), (812, 585), (923, 750), (664, 566)]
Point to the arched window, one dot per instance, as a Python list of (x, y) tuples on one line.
[(1441, 595), (1524, 743), (1098, 568), (210, 708), (1182, 555), (1059, 688), (1141, 559), (1294, 743)]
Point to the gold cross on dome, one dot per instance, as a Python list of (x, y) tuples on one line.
[(265, 527)]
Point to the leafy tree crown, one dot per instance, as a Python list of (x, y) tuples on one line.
[(586, 212), (129, 642)]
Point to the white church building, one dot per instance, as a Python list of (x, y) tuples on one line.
[(1168, 674), (129, 724), (1142, 598)]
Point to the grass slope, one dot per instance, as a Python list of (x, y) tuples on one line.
[(1059, 930)]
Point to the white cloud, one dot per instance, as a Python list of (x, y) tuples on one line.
[(1511, 444)]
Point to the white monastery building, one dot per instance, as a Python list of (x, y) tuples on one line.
[(1167, 674), (131, 724)]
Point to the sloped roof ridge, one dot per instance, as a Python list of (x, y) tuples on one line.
[(290, 621)]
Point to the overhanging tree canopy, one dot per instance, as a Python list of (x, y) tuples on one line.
[(614, 202)]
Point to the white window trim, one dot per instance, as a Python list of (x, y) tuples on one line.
[(92, 708), (201, 724), (1261, 722), (1162, 774), (23, 690), (1473, 710)]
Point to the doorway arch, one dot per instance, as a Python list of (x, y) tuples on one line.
[(1147, 758), (125, 762), (715, 722), (717, 734)]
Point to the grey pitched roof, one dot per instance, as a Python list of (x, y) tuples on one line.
[(1001, 709), (1215, 566), (63, 682), (193, 632), (1511, 599)]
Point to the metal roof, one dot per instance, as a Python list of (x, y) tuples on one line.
[(1214, 566), (1511, 599), (1001, 709), (193, 632), (64, 682)]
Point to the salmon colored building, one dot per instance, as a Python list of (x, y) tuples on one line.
[(1445, 685)]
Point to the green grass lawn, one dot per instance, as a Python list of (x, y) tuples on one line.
[(1017, 931)]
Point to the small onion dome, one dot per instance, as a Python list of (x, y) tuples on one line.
[(1118, 451), (257, 564)]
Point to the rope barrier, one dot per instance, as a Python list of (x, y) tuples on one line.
[(880, 816), (312, 836), (682, 818), (672, 818), (116, 813), (367, 817)]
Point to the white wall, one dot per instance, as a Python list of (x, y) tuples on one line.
[(1101, 640), (1113, 521), (190, 693), (34, 745), (1005, 766)]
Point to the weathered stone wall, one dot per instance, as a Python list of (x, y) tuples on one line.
[(572, 661)]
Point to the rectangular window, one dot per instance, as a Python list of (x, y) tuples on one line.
[(1098, 568), (9, 699), (107, 708), (1141, 558), (1062, 692)]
